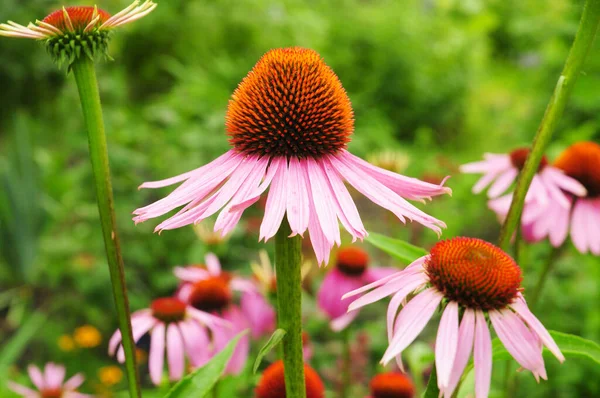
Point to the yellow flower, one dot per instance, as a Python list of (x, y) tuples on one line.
[(66, 343), (110, 375), (87, 336)]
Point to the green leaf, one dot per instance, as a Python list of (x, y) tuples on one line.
[(275, 339), (399, 249), (432, 388), (17, 344), (199, 383)]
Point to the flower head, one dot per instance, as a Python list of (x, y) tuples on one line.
[(272, 382), (391, 385), (73, 32), (289, 122), (50, 383), (351, 272), (174, 327), (580, 216), (473, 278)]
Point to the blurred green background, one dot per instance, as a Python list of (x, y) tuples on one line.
[(438, 82)]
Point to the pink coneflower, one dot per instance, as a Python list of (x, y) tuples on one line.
[(177, 328), (272, 383), (391, 385), (351, 272), (501, 171), (581, 216), (473, 278), (49, 383), (80, 31), (289, 122), (210, 289)]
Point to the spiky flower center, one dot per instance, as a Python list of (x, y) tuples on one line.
[(52, 393), (290, 104), (352, 260), (212, 294), (581, 161), (473, 273), (168, 309), (519, 156), (391, 385), (80, 17), (272, 383)]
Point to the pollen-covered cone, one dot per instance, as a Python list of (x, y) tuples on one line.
[(474, 281), (289, 122), (272, 383)]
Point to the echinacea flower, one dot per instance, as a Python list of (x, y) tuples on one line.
[(50, 383), (473, 278), (272, 383), (289, 123), (175, 327), (581, 217), (211, 289), (351, 272), (501, 171), (80, 31), (391, 384)]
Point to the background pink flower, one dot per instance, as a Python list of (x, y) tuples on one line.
[(50, 383)]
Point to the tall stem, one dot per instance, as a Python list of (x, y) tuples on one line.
[(548, 265), (347, 365), (288, 262), (571, 71), (85, 77)]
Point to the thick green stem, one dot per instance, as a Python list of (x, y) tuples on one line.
[(85, 76), (288, 261), (581, 46)]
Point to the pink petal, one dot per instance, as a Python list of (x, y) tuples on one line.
[(482, 357), (320, 244), (503, 182), (520, 306), (407, 287), (190, 274), (157, 353), (175, 352), (36, 377), (323, 201), (258, 311), (579, 227), (446, 344), (54, 375), (518, 339), (560, 230), (593, 225), (140, 326), (465, 346), (564, 182), (340, 323), (74, 382), (412, 280), (297, 198), (276, 201), (213, 265), (22, 390), (411, 321), (196, 342)]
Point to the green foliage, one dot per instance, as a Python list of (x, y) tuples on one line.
[(399, 249), (274, 340), (201, 381)]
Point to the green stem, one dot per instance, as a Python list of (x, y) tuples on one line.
[(85, 77), (586, 33), (288, 261), (347, 365), (548, 265)]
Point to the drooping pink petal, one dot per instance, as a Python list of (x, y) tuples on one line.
[(520, 306), (411, 321), (139, 327), (196, 342), (593, 225), (24, 391), (579, 227), (482, 356), (466, 333), (175, 352), (214, 323), (340, 323), (560, 230), (255, 195), (54, 375), (190, 274), (157, 353), (258, 311), (213, 265), (446, 344), (517, 338), (323, 201), (276, 201), (564, 182), (320, 244), (484, 181), (407, 287), (297, 198), (334, 286), (373, 274)]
